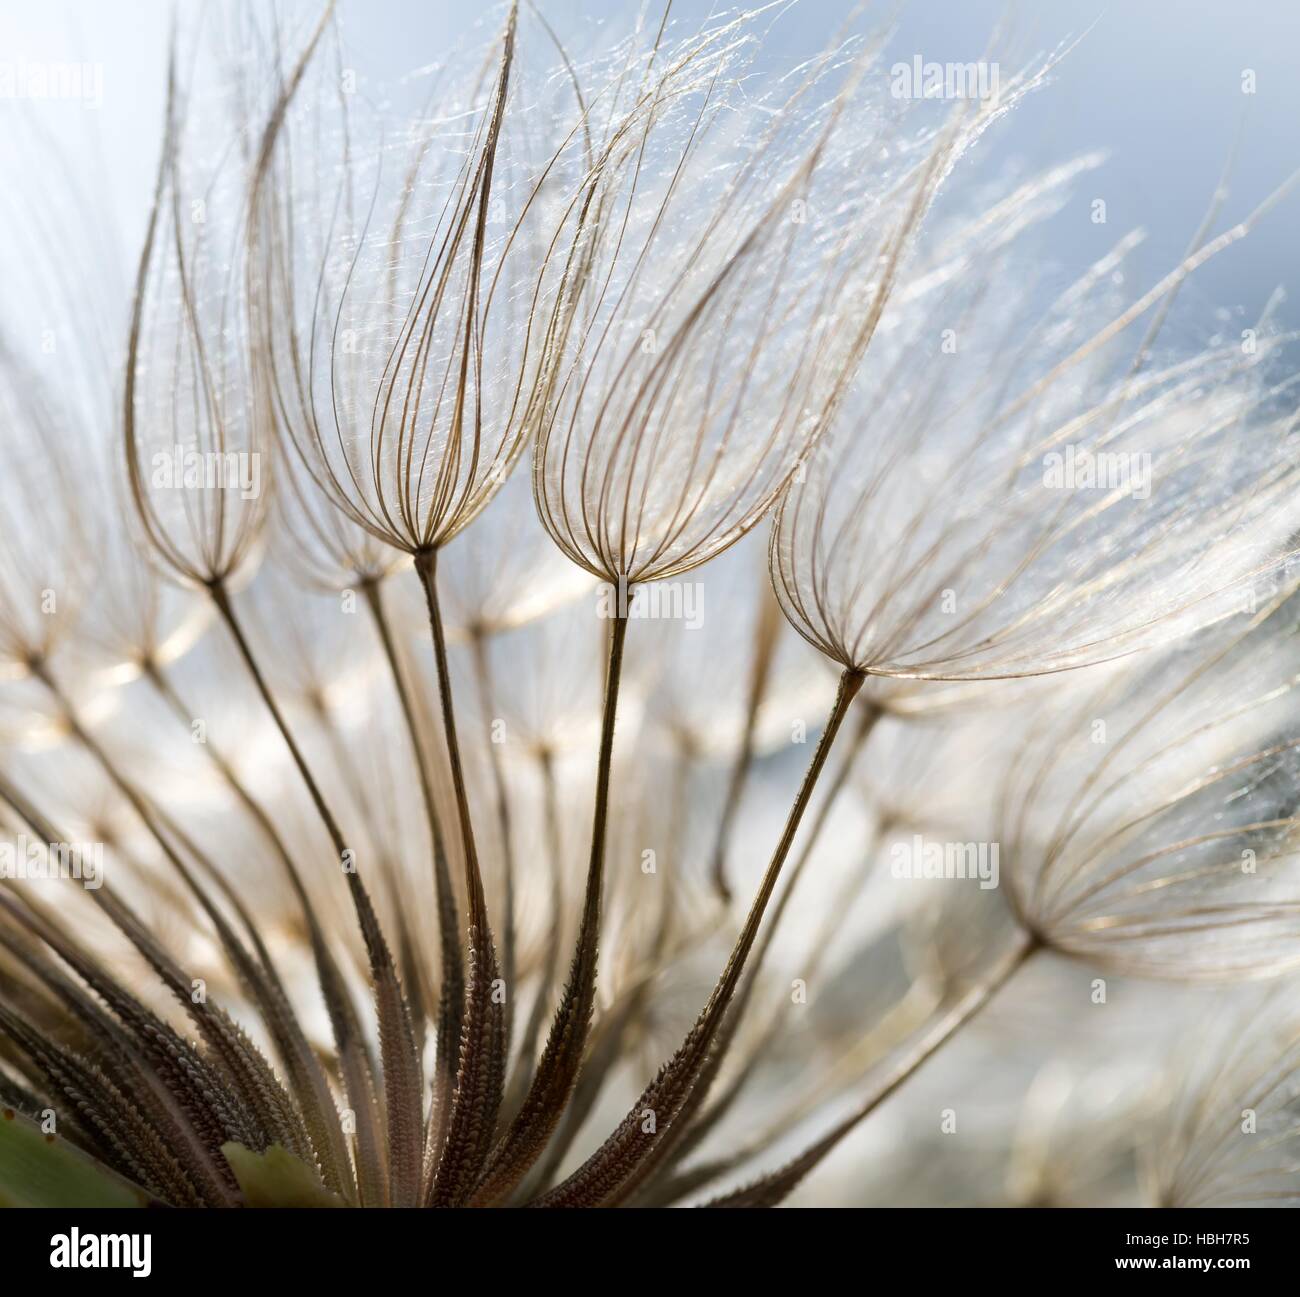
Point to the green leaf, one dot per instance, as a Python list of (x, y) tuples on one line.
[(276, 1178), (39, 1170)]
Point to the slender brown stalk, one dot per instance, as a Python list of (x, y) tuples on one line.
[(557, 1070), (772, 1189), (868, 716), (337, 1001), (221, 600), (480, 1081), (608, 1039), (250, 1071), (612, 1038), (426, 565), (706, 1120), (166, 690), (402, 1083), (147, 1069), (451, 997), (900, 1021), (483, 683), (760, 672), (616, 1168), (355, 1064), (345, 763), (524, 1064)]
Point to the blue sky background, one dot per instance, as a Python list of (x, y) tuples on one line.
[(1155, 83)]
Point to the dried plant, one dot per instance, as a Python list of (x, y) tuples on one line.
[(337, 932)]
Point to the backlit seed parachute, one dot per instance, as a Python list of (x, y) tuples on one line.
[(1230, 1138), (44, 574), (717, 332), (1010, 491), (1151, 826), (196, 411), (416, 288)]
